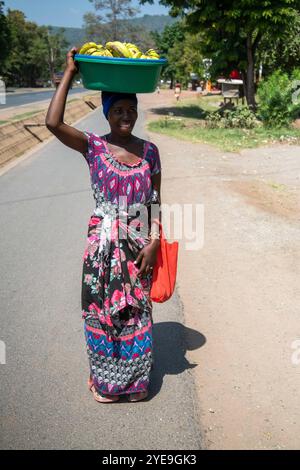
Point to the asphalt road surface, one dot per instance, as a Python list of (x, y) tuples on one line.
[(46, 202), (19, 99)]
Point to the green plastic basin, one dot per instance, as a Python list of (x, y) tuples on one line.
[(119, 74)]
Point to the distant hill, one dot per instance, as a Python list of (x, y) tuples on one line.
[(153, 22), (74, 36), (147, 22)]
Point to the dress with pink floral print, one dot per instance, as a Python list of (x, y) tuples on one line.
[(116, 304)]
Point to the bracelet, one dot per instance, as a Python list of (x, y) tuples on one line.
[(154, 236)]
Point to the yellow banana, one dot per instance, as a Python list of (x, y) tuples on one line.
[(133, 49), (87, 46), (137, 55), (152, 53), (100, 53), (90, 51), (107, 53), (118, 49)]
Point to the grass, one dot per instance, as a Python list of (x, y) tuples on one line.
[(229, 140), (19, 117), (277, 186), (185, 121), (73, 99)]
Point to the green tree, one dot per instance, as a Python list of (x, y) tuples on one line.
[(182, 49), (56, 46), (34, 53), (281, 52), (187, 57), (4, 37), (165, 42), (234, 29), (137, 35), (17, 66), (111, 20)]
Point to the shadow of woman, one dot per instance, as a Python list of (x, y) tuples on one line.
[(171, 340)]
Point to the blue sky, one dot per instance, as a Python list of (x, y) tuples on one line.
[(67, 12)]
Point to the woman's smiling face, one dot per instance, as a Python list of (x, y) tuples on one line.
[(122, 117)]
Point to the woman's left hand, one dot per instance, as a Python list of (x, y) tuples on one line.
[(147, 258)]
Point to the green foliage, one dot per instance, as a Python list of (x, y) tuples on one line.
[(4, 37), (34, 52), (232, 31), (228, 140), (281, 51), (182, 50), (278, 102), (164, 42), (240, 117)]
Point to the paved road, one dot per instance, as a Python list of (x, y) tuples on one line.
[(46, 202), (19, 99)]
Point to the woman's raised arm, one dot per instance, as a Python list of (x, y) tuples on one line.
[(68, 135)]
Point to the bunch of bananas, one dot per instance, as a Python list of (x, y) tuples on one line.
[(117, 49), (152, 54), (91, 48)]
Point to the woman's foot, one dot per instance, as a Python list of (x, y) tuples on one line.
[(138, 396), (102, 398)]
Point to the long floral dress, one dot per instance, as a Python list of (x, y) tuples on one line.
[(116, 304)]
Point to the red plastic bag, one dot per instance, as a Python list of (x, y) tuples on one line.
[(165, 269)]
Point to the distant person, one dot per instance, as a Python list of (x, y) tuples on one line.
[(177, 91), (157, 90)]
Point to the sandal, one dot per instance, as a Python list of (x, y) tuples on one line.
[(102, 398), (133, 397)]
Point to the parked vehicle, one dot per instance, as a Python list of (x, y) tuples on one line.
[(57, 76)]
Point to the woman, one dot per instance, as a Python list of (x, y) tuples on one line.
[(122, 243)]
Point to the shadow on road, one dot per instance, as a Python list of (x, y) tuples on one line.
[(171, 341), (190, 111)]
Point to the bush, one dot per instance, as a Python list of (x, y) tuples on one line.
[(240, 117), (296, 92), (277, 107)]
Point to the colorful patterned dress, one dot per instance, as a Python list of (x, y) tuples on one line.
[(116, 304)]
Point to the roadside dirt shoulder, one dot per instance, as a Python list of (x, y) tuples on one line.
[(240, 288)]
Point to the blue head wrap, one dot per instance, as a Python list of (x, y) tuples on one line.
[(109, 98)]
